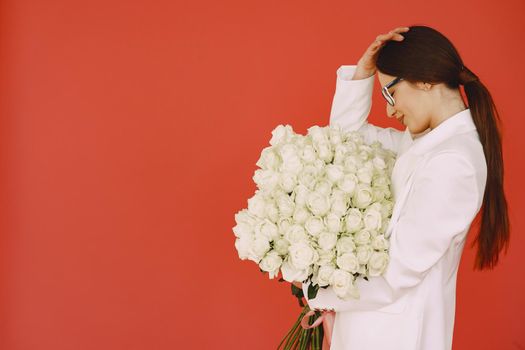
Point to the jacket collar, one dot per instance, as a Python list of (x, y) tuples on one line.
[(459, 123)]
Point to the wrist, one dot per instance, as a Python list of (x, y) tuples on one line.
[(362, 74)]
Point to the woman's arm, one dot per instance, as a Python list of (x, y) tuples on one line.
[(445, 199), (351, 105)]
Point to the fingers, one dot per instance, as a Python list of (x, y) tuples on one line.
[(402, 29), (368, 59), (391, 35)]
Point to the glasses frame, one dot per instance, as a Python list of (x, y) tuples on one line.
[(386, 93)]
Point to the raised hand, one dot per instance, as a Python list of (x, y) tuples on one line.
[(366, 66)]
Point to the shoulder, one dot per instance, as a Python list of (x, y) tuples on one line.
[(451, 173), (447, 164), (463, 151)]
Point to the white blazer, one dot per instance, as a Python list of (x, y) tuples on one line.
[(438, 186)]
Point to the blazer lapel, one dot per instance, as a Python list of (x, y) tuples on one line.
[(402, 178)]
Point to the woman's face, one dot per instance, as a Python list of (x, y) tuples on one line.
[(413, 103)]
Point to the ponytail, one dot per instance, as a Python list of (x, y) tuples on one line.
[(494, 230)]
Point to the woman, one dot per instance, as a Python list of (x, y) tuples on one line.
[(440, 182)]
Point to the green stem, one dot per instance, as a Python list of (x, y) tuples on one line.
[(286, 339)]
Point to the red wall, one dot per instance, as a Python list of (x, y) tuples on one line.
[(129, 136)]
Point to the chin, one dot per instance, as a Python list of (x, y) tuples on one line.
[(417, 132)]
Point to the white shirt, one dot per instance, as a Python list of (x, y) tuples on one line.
[(438, 184)]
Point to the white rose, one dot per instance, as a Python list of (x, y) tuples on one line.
[(319, 166), (285, 205), (387, 207), (283, 224), (379, 193), (291, 162), (287, 181), (335, 135), (338, 203), (352, 147), (324, 151), (293, 274), (302, 255), (362, 237), (384, 225), (353, 220), (242, 229), (363, 253), (375, 206), (324, 274), (300, 193), (343, 284), (318, 203), (271, 263), (295, 234), (379, 242), (362, 196), (243, 245), (379, 162), (314, 225), (266, 180), (317, 133), (348, 262), (364, 175), (257, 205), (372, 219), (308, 154), (365, 152), (334, 172), (345, 244), (348, 183), (326, 257), (260, 246), (300, 141), (378, 263), (272, 212), (301, 214), (282, 133), (323, 186), (340, 152), (269, 159), (327, 240), (308, 176), (333, 222), (355, 136), (380, 180), (281, 245), (244, 216), (352, 163), (266, 229)]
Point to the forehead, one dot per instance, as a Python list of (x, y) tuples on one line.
[(384, 78)]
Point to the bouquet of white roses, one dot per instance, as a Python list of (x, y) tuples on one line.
[(321, 209)]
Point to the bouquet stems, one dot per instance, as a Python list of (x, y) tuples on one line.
[(299, 338)]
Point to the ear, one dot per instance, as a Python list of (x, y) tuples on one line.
[(423, 86)]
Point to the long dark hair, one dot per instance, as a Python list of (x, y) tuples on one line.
[(427, 55)]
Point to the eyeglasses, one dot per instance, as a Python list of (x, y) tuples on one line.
[(385, 92)]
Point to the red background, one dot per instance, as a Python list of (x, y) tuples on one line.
[(129, 136)]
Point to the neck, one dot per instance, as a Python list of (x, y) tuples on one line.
[(454, 104)]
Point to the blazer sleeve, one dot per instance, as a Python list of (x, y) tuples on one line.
[(351, 105), (445, 199)]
